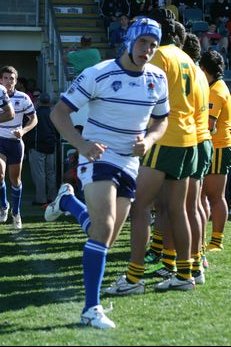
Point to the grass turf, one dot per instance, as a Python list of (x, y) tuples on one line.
[(41, 294)]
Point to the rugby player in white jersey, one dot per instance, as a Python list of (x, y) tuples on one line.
[(124, 95), (12, 146), (6, 108)]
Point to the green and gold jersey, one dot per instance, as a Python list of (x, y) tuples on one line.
[(220, 108), (181, 75), (202, 106)]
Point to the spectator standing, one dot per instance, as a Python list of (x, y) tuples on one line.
[(83, 57), (34, 97), (42, 141), (12, 146)]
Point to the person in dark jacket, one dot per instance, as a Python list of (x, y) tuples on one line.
[(118, 36), (112, 9), (42, 153)]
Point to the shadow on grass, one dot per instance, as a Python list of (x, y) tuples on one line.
[(40, 266), (7, 328), (42, 263)]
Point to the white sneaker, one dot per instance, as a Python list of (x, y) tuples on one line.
[(17, 222), (4, 213), (199, 276), (122, 287), (96, 318), (174, 283), (53, 211)]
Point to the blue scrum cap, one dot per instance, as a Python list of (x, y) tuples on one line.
[(142, 27)]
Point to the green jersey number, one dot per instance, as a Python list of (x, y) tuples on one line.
[(187, 88)]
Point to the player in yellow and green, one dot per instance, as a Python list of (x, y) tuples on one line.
[(176, 154), (167, 166), (196, 214), (212, 64)]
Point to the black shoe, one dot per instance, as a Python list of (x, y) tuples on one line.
[(163, 272)]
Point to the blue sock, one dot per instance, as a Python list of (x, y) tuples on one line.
[(3, 197), (16, 194), (78, 209), (94, 261)]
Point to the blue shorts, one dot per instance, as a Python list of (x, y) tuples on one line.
[(101, 171), (12, 149)]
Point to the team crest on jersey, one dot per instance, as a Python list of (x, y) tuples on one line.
[(17, 103), (151, 87), (83, 169), (116, 85)]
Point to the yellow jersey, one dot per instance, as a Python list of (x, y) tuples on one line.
[(220, 108), (202, 106), (181, 75)]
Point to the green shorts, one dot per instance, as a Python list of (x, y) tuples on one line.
[(221, 162), (205, 153), (176, 162)]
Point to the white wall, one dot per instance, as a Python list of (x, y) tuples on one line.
[(20, 39)]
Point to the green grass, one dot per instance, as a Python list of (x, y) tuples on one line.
[(41, 294)]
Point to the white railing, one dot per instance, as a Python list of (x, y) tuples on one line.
[(54, 68)]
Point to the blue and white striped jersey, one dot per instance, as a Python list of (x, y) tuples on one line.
[(120, 103), (4, 98), (22, 105)]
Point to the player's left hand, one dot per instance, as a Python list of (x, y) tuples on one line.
[(18, 133), (140, 147)]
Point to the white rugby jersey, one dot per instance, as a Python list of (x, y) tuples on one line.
[(4, 98), (22, 105), (120, 102)]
